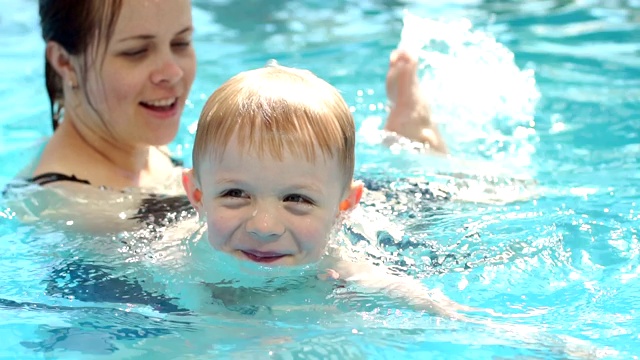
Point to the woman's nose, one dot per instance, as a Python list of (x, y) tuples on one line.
[(168, 70)]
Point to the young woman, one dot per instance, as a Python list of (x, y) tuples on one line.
[(118, 73)]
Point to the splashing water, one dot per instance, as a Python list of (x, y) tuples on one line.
[(479, 95)]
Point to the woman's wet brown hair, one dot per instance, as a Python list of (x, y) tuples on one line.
[(75, 25)]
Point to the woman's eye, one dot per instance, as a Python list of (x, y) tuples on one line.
[(181, 44), (234, 193), (134, 53), (297, 198)]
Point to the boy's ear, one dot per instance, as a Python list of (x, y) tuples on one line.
[(353, 197), (61, 62), (191, 188)]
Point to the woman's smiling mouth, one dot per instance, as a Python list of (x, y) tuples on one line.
[(160, 105)]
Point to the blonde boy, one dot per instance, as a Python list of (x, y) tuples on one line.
[(273, 166), (273, 172)]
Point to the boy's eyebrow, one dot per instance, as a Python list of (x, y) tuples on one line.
[(295, 187), (228, 181), (149, 36), (309, 187)]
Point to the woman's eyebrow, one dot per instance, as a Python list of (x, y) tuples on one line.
[(149, 36)]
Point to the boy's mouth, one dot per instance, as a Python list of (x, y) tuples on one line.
[(262, 257)]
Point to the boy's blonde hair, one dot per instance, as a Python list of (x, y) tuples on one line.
[(276, 109)]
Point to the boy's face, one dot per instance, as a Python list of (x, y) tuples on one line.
[(268, 211)]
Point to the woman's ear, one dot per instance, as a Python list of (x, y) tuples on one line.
[(353, 196), (191, 188), (62, 63)]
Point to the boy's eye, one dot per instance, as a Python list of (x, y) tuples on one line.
[(234, 193), (297, 198)]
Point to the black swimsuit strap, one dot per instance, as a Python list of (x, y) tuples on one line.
[(52, 177)]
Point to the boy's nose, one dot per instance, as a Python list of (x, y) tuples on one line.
[(264, 224)]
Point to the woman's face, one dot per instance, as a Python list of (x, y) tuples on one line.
[(139, 83)]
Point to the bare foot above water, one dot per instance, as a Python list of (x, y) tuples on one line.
[(410, 115)]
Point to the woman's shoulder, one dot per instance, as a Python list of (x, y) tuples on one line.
[(48, 171)]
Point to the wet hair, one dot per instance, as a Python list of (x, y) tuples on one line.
[(75, 25), (276, 109)]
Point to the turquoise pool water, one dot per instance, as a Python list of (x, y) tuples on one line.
[(547, 89)]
